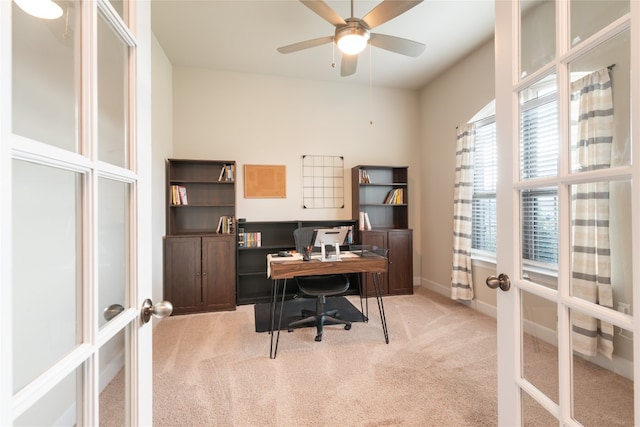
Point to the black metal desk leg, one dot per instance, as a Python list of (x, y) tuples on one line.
[(383, 318), (365, 315), (273, 350)]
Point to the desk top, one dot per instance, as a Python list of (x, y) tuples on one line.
[(283, 268)]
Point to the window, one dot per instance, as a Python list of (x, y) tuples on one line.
[(539, 148), (484, 188), (539, 158)]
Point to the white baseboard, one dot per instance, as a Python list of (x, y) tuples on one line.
[(111, 370), (445, 291)]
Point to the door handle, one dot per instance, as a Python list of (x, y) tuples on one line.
[(160, 310), (502, 281), (112, 311)]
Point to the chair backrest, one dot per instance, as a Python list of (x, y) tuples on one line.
[(303, 237)]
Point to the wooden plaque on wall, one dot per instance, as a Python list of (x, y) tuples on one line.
[(265, 181)]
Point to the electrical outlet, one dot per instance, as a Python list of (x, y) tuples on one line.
[(624, 308)]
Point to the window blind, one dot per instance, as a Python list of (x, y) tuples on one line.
[(539, 158), (484, 226)]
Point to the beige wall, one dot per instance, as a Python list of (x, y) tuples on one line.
[(258, 119), (448, 101), (161, 148)]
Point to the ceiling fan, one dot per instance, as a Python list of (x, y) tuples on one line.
[(353, 34)]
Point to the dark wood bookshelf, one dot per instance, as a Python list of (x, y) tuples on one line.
[(199, 262), (369, 196)]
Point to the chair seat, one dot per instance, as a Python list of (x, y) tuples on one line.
[(323, 285)]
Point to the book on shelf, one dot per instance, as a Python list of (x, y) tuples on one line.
[(226, 224), (227, 173), (241, 242), (252, 239), (182, 193), (364, 177), (367, 223), (179, 195), (349, 238), (174, 195), (231, 170), (395, 197), (361, 224)]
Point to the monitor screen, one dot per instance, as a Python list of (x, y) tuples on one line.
[(330, 236)]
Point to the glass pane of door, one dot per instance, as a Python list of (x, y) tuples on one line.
[(113, 85), (539, 344), (600, 106), (45, 77), (113, 253), (601, 245), (113, 367), (588, 17), (603, 389), (537, 35), (534, 415), (59, 407), (47, 268)]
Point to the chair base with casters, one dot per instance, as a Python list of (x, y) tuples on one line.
[(321, 287)]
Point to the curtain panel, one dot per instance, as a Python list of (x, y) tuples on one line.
[(591, 265), (461, 280)]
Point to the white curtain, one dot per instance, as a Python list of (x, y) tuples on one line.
[(461, 281), (591, 266)]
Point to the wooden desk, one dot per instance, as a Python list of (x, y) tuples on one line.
[(281, 269)]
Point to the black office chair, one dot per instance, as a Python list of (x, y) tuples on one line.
[(320, 287)]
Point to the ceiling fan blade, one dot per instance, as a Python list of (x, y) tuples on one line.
[(305, 44), (348, 65), (397, 44), (324, 11), (387, 10)]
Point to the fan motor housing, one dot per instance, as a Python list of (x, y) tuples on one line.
[(354, 27)]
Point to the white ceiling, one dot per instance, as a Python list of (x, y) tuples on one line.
[(242, 36)]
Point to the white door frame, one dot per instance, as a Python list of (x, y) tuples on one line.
[(510, 381), (139, 358)]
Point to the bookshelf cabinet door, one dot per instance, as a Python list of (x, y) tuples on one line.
[(183, 283), (219, 273), (400, 262), (399, 279)]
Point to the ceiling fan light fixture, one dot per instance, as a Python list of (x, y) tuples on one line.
[(45, 9), (352, 40)]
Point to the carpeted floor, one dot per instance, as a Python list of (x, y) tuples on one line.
[(439, 369)]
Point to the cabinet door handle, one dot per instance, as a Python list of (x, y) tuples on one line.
[(198, 273), (204, 274)]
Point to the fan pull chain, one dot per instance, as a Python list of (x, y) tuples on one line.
[(370, 85), (333, 55)]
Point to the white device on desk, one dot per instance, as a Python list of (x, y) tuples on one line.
[(328, 238)]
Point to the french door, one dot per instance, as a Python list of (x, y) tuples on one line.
[(567, 116), (75, 184)]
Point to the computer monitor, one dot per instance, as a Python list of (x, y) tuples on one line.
[(330, 236)]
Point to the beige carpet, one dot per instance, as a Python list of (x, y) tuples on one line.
[(439, 369)]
